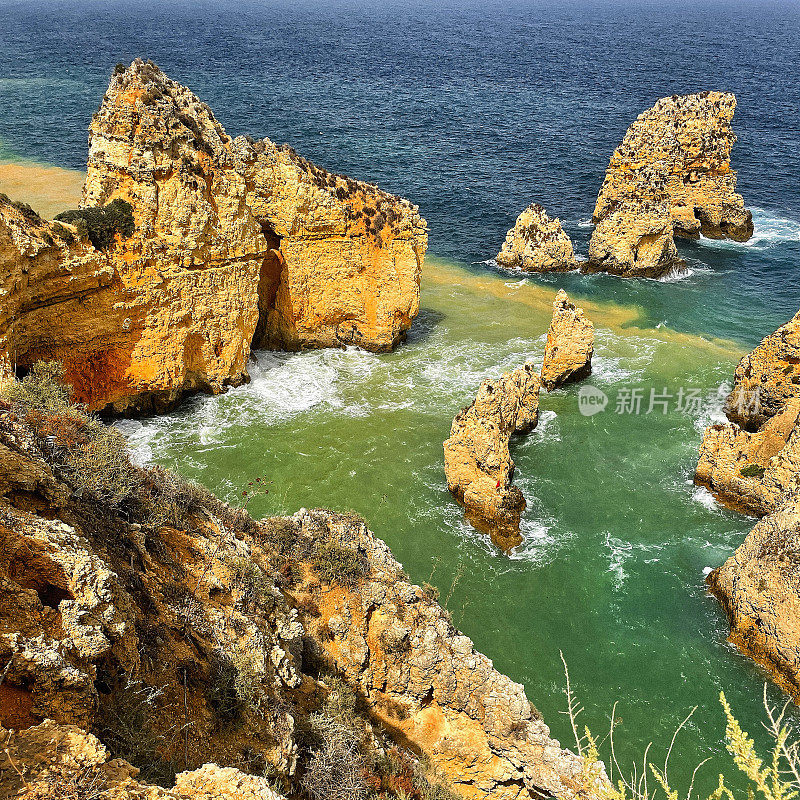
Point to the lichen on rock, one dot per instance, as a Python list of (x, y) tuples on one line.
[(670, 176), (536, 243)]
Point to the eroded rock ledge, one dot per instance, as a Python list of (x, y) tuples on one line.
[(219, 638), (670, 177), (753, 465), (238, 244)]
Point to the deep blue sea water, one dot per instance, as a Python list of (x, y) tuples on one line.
[(474, 111), (471, 111)]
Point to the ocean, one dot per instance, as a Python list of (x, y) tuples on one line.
[(473, 112)]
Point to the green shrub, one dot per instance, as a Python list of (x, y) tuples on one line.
[(252, 584), (125, 725), (752, 471), (222, 697), (337, 564), (334, 770), (86, 453), (101, 224), (43, 388)]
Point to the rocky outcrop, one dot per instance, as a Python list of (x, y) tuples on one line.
[(536, 243), (752, 462), (752, 472), (64, 761), (425, 680), (671, 176), (236, 244), (477, 462), (569, 346), (767, 378), (759, 588), (181, 632), (753, 465)]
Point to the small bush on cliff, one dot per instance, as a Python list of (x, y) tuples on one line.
[(335, 767), (124, 725), (337, 564), (752, 471), (102, 224), (85, 453)]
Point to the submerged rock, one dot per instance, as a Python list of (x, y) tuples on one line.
[(234, 244), (570, 344), (477, 462), (671, 176), (536, 243)]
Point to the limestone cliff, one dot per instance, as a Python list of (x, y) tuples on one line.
[(753, 464), (767, 378), (477, 462), (671, 176), (236, 244), (179, 631), (66, 763), (569, 346), (759, 587), (536, 243)]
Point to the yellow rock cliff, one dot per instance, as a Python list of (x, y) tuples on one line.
[(671, 176), (237, 244)]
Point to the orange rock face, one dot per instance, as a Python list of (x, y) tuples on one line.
[(753, 464), (237, 244), (569, 346), (671, 176), (536, 243), (477, 462)]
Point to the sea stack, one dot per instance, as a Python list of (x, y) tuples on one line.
[(570, 345), (536, 243), (478, 465), (671, 176), (231, 244), (753, 465)]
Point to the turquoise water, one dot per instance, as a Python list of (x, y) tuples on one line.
[(616, 538), (473, 113)]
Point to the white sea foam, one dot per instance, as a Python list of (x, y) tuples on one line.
[(548, 429), (702, 496), (770, 230), (676, 274), (140, 437), (539, 546), (619, 552), (585, 223)]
